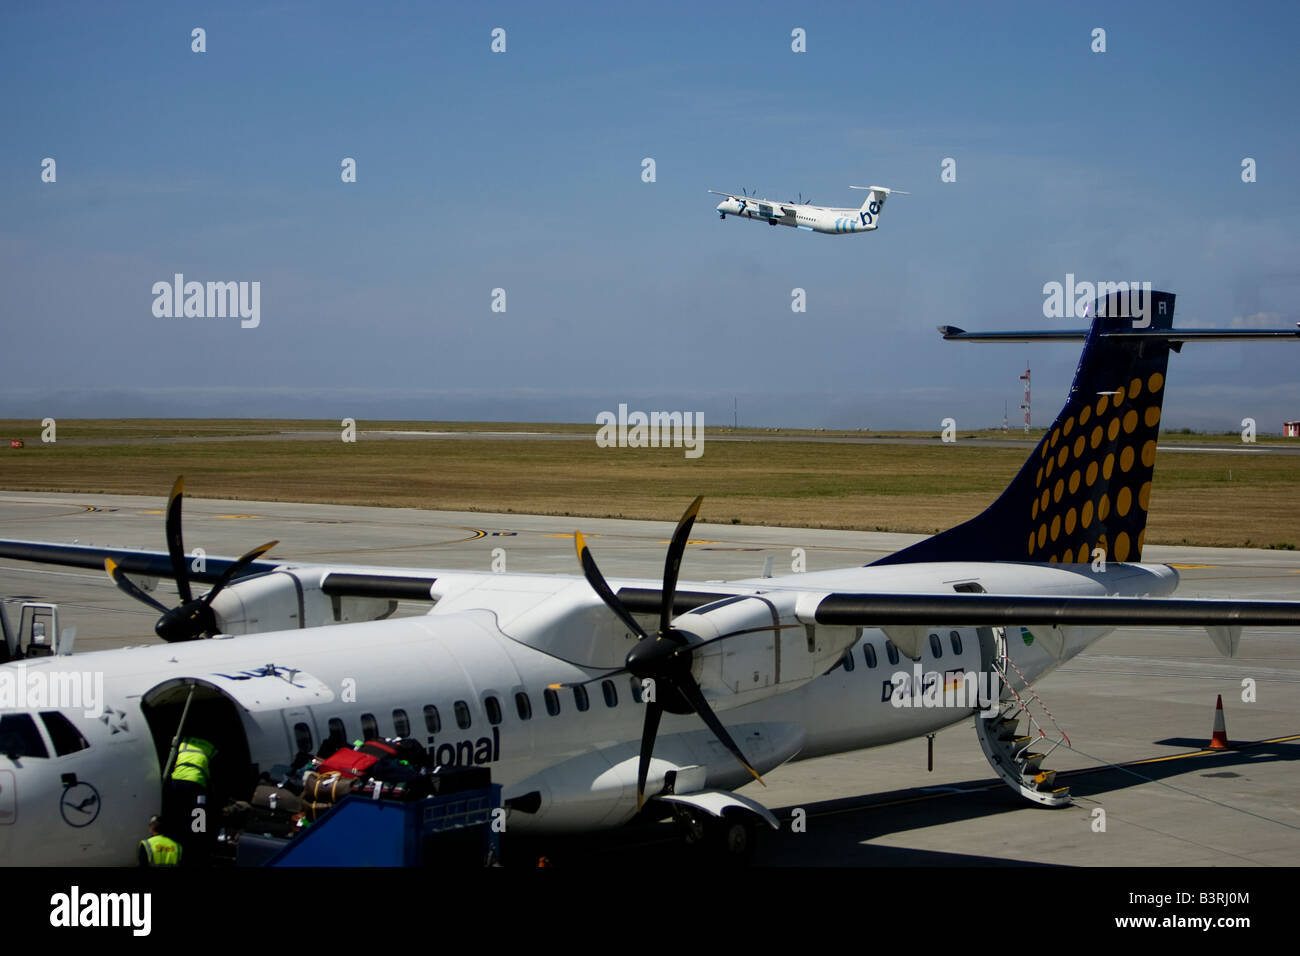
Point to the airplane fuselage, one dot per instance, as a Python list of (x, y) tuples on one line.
[(812, 218), (474, 686), (831, 221)]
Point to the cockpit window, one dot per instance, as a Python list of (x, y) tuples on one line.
[(63, 733), (20, 738)]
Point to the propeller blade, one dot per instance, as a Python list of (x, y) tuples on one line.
[(672, 564), (175, 546), (130, 587), (649, 730), (597, 582), (233, 571), (691, 691)]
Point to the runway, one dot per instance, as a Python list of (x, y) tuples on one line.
[(1136, 695), (714, 435)]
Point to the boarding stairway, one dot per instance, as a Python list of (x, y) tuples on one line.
[(1018, 757)]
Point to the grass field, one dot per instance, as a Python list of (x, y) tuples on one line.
[(1205, 498)]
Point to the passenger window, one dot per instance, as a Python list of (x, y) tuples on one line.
[(552, 701), (580, 698), (955, 639), (936, 646), (611, 693), (338, 732), (869, 654), (493, 708), (369, 727), (20, 738), (302, 738), (849, 663), (523, 705), (635, 684), (63, 733), (891, 652), (462, 714), (432, 722), (401, 723)]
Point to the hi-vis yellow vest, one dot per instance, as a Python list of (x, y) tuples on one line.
[(161, 850), (192, 760)]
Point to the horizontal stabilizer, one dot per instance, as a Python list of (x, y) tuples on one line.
[(953, 334)]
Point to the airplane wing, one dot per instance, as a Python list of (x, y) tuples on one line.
[(1062, 610), (875, 610), (728, 195), (341, 581), (906, 616)]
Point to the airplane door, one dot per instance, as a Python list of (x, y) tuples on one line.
[(300, 726)]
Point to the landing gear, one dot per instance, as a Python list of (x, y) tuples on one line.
[(771, 222), (727, 840), (722, 215)]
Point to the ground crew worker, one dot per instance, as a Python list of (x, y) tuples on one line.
[(159, 849), (188, 789), (193, 757)]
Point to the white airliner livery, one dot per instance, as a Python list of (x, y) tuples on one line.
[(588, 698), (827, 219)]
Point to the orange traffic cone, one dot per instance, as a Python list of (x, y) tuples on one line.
[(1219, 741)]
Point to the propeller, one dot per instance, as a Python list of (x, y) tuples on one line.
[(664, 658), (192, 617)]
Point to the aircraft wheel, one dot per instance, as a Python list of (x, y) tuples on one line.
[(771, 222), (733, 838), (728, 840), (722, 215)]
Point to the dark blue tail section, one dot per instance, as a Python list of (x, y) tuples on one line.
[(1088, 482)]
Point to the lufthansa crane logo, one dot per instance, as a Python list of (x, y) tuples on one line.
[(79, 805)]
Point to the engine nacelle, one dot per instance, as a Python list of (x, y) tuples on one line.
[(770, 650), (287, 599)]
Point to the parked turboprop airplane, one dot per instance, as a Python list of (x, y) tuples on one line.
[(587, 696), (802, 215)]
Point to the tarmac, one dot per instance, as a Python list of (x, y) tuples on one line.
[(1138, 706)]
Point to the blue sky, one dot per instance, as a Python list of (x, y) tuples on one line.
[(522, 171)]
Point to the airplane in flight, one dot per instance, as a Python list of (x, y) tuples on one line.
[(801, 215), (597, 701)]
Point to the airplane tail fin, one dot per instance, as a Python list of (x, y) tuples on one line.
[(1088, 482), (875, 204)]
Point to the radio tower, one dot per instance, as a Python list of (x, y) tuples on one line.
[(1025, 378)]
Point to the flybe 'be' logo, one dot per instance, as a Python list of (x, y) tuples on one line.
[(467, 753)]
